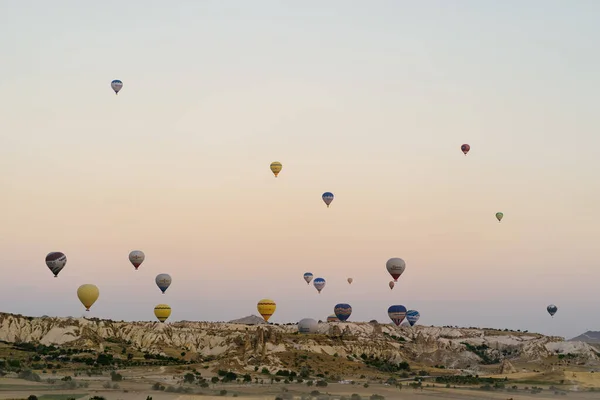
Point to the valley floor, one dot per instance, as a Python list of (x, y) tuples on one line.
[(139, 390)]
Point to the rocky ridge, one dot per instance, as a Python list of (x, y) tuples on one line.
[(245, 346)]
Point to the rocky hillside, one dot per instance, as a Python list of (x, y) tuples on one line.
[(248, 347), (587, 337)]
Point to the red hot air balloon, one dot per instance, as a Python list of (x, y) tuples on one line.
[(465, 148)]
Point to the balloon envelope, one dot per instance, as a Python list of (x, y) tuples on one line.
[(342, 311), (395, 267), (465, 148), (391, 284), (397, 313), (163, 281), (307, 325), (308, 277), (56, 262), (116, 85), (266, 308), (137, 257), (350, 280), (88, 294), (333, 318), (327, 198), (276, 168), (412, 316), (552, 309), (162, 312), (319, 284), (499, 216)]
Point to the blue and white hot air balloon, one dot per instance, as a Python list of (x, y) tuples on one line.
[(397, 314), (319, 284), (327, 198), (342, 311), (308, 276), (163, 281), (116, 85), (412, 316)]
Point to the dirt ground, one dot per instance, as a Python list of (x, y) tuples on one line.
[(137, 385)]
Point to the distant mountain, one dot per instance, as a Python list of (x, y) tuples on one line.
[(588, 337), (249, 320)]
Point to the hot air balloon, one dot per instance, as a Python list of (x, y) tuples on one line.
[(342, 311), (412, 316), (395, 267), (499, 216), (308, 277), (162, 312), (319, 284), (327, 198), (391, 285), (116, 85), (137, 257), (276, 168), (163, 281), (88, 294), (350, 280), (465, 148), (266, 308), (333, 318), (397, 314), (552, 309), (307, 325), (56, 262)]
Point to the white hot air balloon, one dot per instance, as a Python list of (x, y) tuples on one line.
[(395, 267), (137, 257), (163, 281), (116, 85), (307, 325)]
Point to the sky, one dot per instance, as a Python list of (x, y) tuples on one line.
[(368, 100)]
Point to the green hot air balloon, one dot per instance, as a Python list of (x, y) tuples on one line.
[(499, 216)]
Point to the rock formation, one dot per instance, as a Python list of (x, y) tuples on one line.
[(266, 345)]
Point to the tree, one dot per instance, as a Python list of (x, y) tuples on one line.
[(115, 377), (189, 378)]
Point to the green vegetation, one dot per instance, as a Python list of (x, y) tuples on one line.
[(22, 357), (481, 351), (384, 365), (60, 396), (392, 336), (467, 380)]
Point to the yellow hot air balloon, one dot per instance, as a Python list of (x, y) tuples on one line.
[(162, 312), (88, 294), (276, 168), (266, 308)]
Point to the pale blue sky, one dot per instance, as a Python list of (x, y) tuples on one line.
[(368, 99)]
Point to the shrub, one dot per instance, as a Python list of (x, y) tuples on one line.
[(115, 377)]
